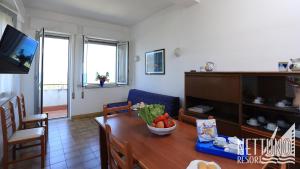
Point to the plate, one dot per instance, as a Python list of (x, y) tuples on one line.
[(284, 126), (257, 102), (234, 140), (271, 130), (252, 124), (216, 144), (285, 106), (194, 164)]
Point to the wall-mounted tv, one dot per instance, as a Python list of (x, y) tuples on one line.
[(17, 51)]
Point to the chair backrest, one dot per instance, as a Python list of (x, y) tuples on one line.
[(185, 118), (8, 121), (114, 110), (22, 105), (119, 153), (20, 111), (188, 119)]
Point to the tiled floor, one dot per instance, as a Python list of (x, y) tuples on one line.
[(57, 114), (56, 111), (72, 145)]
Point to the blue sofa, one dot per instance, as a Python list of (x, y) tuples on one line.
[(136, 96)]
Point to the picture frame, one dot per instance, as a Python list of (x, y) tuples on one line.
[(155, 62)]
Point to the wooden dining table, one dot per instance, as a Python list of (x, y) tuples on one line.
[(174, 151)]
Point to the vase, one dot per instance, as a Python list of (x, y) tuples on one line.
[(102, 83)]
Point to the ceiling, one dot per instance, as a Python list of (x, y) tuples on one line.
[(122, 12)]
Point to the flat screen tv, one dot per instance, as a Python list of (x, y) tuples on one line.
[(17, 51)]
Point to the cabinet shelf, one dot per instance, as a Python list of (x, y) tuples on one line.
[(265, 133), (291, 110), (218, 118)]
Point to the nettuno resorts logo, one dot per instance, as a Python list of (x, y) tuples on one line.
[(270, 150)]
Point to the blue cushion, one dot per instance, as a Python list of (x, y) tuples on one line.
[(171, 103), (136, 96), (117, 104)]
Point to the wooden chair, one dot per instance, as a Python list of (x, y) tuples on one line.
[(114, 110), (36, 119), (119, 153), (12, 138), (188, 119), (185, 118)]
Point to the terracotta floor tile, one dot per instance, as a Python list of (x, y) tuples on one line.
[(72, 144)]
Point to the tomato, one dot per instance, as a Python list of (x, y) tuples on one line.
[(160, 124), (166, 115), (159, 118), (171, 123)]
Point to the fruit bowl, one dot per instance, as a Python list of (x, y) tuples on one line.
[(161, 131)]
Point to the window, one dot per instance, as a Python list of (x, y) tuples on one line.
[(102, 56)]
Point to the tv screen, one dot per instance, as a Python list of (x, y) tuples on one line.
[(17, 51)]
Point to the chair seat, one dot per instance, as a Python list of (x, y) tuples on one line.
[(26, 134), (36, 117)]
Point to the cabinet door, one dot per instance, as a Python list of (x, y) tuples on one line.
[(214, 87), (228, 129)]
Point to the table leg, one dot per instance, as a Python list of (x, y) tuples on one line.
[(103, 148)]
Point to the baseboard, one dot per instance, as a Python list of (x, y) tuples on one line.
[(89, 115)]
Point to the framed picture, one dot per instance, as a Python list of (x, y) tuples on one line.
[(155, 62)]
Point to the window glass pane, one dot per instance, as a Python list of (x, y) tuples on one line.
[(99, 58), (122, 63)]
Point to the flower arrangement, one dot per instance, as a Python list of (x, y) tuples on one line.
[(102, 78)]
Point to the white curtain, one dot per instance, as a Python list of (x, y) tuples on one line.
[(6, 80)]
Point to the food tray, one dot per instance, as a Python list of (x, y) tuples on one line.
[(209, 148)]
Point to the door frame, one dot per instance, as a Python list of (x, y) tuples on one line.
[(69, 69)]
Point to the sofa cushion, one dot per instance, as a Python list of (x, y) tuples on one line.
[(171, 103), (118, 104)]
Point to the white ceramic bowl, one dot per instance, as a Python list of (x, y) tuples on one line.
[(161, 131)]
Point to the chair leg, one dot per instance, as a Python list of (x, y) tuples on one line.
[(43, 152), (47, 129), (14, 152), (5, 157)]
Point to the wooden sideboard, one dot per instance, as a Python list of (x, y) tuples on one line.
[(231, 95)]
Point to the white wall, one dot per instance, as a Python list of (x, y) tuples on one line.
[(94, 98), (9, 83), (236, 35)]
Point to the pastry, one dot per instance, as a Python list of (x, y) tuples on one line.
[(211, 165), (202, 165)]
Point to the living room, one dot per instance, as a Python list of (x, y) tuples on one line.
[(237, 58)]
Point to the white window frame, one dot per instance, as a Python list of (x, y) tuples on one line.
[(86, 40), (126, 44)]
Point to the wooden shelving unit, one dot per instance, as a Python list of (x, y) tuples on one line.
[(231, 94)]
